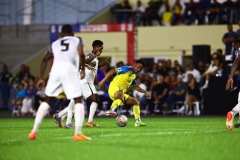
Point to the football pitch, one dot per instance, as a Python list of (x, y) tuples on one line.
[(164, 138)]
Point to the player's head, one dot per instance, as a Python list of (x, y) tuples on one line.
[(236, 44), (139, 65), (67, 30), (97, 45)]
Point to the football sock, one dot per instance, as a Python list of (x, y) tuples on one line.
[(93, 108), (64, 116), (41, 113), (136, 112), (115, 104), (60, 114), (236, 109), (79, 118), (70, 111)]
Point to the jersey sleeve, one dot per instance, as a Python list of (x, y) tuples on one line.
[(89, 55), (81, 43), (134, 82), (50, 49), (123, 69)]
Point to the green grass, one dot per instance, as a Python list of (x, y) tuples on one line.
[(168, 138)]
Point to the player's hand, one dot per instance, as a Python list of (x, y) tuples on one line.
[(82, 74), (101, 84), (107, 60), (91, 68), (148, 95), (40, 83), (229, 84)]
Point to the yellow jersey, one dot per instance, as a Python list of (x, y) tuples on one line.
[(124, 78)]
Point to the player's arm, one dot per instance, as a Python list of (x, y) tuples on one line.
[(82, 60), (139, 89), (110, 74), (89, 59), (47, 56), (106, 61), (96, 53), (233, 70)]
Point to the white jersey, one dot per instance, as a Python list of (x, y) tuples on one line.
[(237, 52), (66, 54), (64, 75), (90, 75)]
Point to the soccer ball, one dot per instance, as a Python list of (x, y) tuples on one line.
[(121, 120)]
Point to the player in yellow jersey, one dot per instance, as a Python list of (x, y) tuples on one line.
[(124, 77)]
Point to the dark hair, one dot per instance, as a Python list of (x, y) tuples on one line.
[(67, 29), (97, 43), (236, 41), (142, 62)]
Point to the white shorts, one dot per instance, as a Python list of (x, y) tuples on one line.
[(59, 82), (88, 89)]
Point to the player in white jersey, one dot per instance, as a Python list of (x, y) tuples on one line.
[(89, 90), (68, 53), (229, 85)]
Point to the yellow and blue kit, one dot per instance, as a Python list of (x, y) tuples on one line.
[(124, 78)]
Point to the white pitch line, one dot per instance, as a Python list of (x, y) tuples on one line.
[(158, 133)]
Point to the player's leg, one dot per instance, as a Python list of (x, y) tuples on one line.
[(41, 113), (231, 114), (118, 98), (136, 109), (93, 107), (58, 118), (90, 94), (73, 90), (70, 114), (79, 118), (53, 89)]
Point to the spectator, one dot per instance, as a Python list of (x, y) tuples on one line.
[(165, 14), (27, 103), (228, 39), (139, 12), (214, 12), (177, 9), (189, 15), (193, 94), (177, 94), (215, 69), (150, 14), (164, 68), (192, 70), (201, 67), (236, 14), (5, 76), (201, 11), (159, 95), (116, 11), (227, 12), (127, 11)]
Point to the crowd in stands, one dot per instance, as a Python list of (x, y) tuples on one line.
[(161, 12)]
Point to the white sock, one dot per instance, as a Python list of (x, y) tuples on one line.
[(236, 109), (63, 117), (93, 108), (41, 113), (79, 117), (70, 111), (63, 112)]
